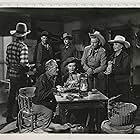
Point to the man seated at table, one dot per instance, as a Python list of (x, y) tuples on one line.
[(44, 101)]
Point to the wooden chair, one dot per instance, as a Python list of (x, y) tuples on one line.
[(27, 120)]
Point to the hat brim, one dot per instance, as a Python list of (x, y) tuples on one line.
[(70, 37), (125, 43), (100, 37), (44, 34), (70, 60), (14, 33)]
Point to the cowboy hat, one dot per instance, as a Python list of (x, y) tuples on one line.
[(70, 60), (120, 39), (45, 33), (98, 35), (21, 30), (67, 35)]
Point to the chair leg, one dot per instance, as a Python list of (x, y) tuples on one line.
[(32, 123), (19, 119)]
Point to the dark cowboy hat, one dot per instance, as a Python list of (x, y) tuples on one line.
[(67, 35), (70, 60), (45, 33), (21, 30)]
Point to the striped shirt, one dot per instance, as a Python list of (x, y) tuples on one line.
[(16, 55)]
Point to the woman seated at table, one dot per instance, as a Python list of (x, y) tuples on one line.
[(71, 81), (72, 77)]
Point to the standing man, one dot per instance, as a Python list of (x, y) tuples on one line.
[(94, 59), (44, 52), (17, 65), (67, 49)]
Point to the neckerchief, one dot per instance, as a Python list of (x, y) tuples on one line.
[(47, 46)]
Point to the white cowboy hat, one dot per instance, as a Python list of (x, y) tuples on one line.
[(21, 30), (120, 39), (98, 35)]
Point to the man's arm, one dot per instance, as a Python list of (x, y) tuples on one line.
[(44, 92), (39, 56), (102, 63), (24, 56), (24, 59), (83, 60)]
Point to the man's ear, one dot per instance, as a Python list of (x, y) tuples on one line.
[(41, 38)]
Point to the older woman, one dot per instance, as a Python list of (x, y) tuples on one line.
[(118, 69)]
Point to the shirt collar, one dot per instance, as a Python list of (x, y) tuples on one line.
[(93, 50), (48, 76), (67, 46), (118, 53), (45, 45)]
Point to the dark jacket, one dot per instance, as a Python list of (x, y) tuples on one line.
[(121, 68), (44, 92), (43, 54), (67, 52)]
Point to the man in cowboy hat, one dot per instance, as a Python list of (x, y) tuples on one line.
[(17, 65), (67, 49), (118, 69), (94, 58), (44, 52)]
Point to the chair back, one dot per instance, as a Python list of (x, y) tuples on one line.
[(25, 115), (25, 97)]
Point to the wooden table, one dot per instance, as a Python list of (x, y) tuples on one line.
[(92, 101)]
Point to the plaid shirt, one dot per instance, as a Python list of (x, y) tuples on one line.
[(16, 55)]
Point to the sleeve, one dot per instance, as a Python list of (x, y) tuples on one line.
[(74, 51), (38, 56), (51, 52), (23, 67), (83, 60), (7, 57), (102, 63), (24, 55), (64, 79), (44, 91)]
